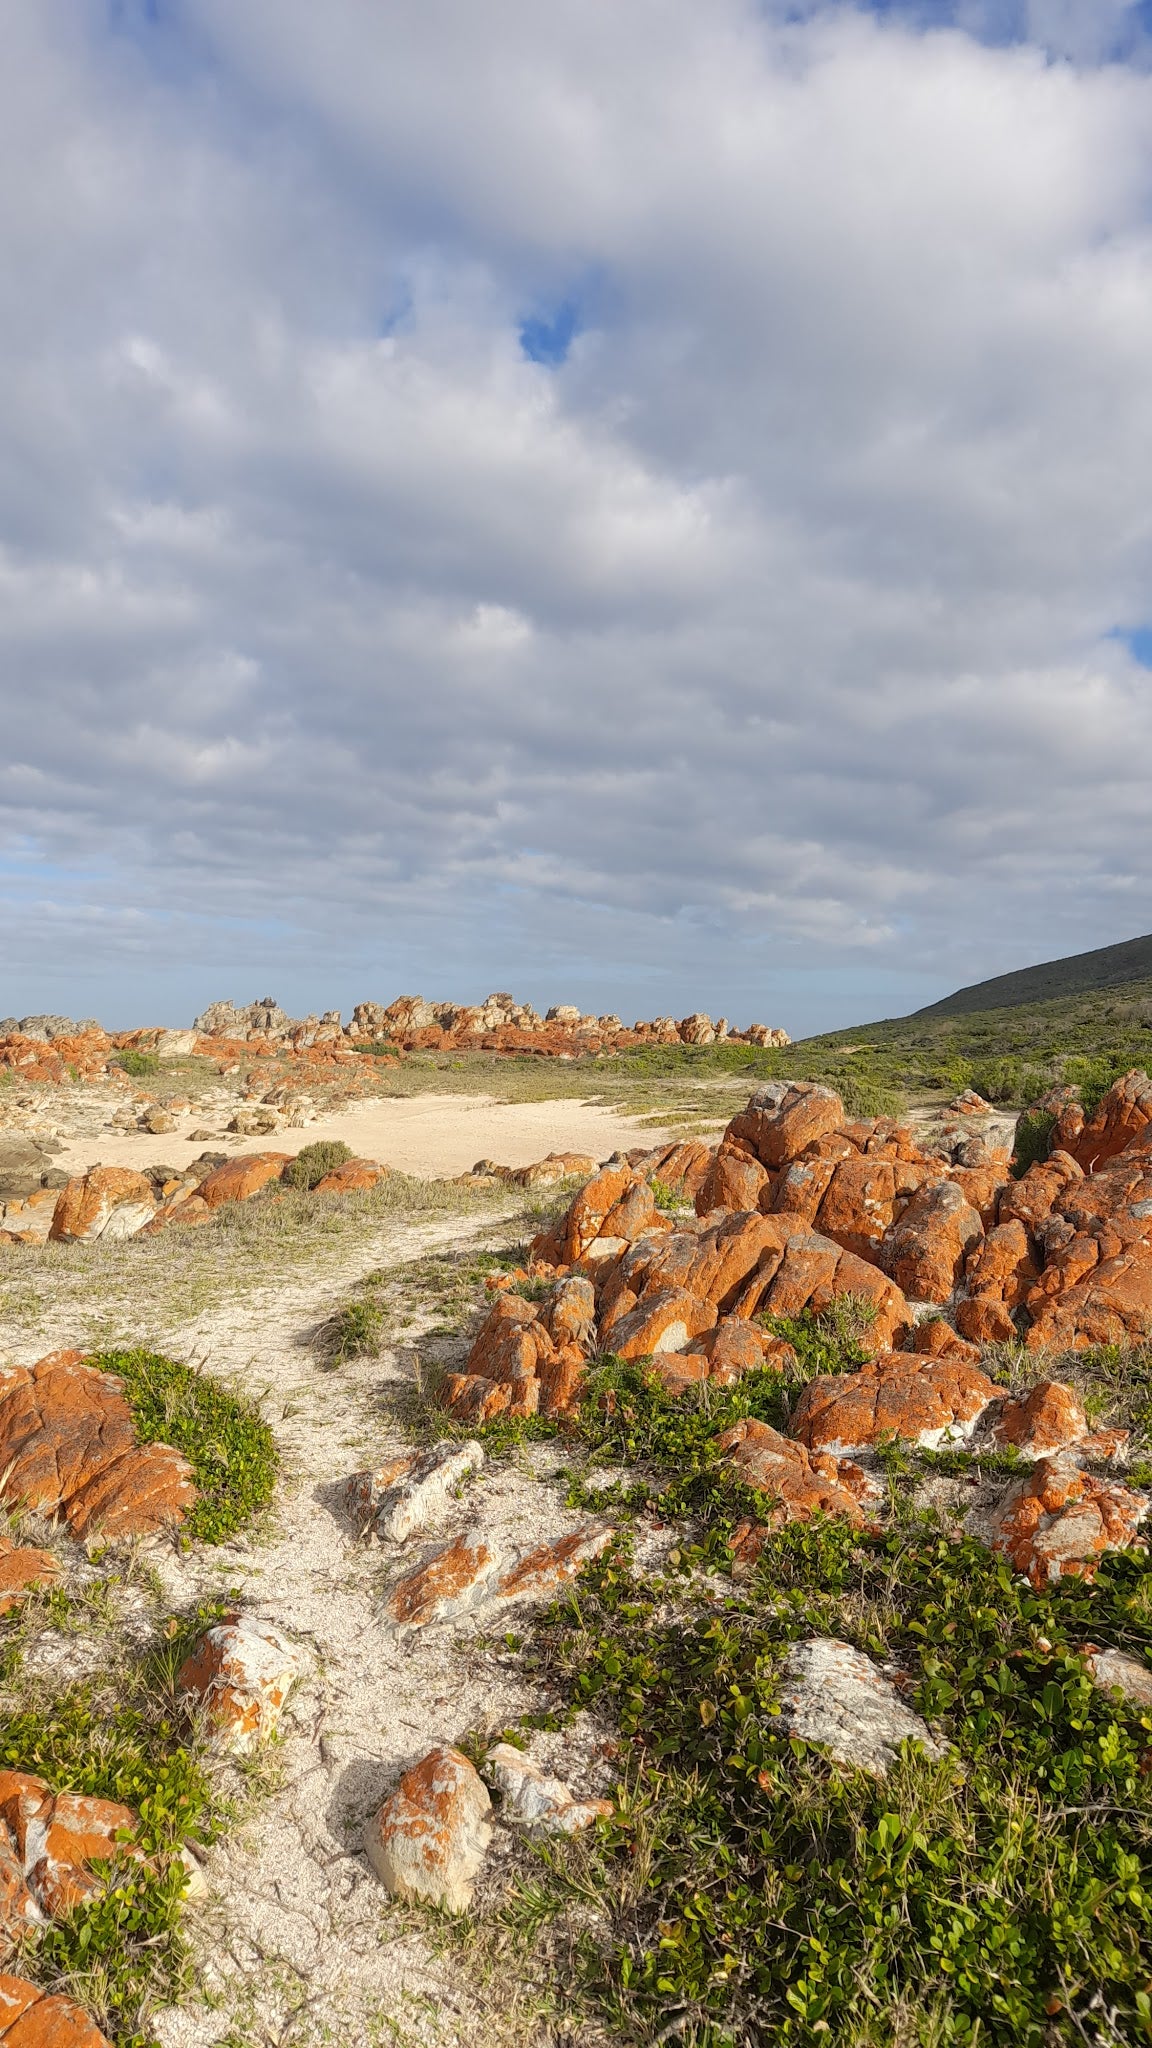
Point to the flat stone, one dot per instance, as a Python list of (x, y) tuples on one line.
[(413, 1491), (835, 1696), (540, 1804)]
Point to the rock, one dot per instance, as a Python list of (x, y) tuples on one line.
[(158, 1121), (570, 1313), (1047, 1418), (591, 1206), (472, 1397), (1122, 1115), (733, 1181), (410, 1492), (1059, 1521), (800, 1485), (355, 1176), (1113, 1671), (241, 1672), (256, 1121), (175, 1045), (542, 1573), (781, 1120), (663, 1321), (430, 1837), (1110, 1304), (999, 1276), (239, 1179), (835, 1696), (49, 1843), (935, 1338), (735, 1347), (29, 1221), (924, 1250), (67, 1445), (681, 1166), (925, 1401), (31, 2019), (454, 1580), (859, 1205), (21, 1570), (541, 1805), (108, 1202)]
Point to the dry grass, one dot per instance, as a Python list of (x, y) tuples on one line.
[(141, 1288)]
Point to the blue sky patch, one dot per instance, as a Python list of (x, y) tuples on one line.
[(1138, 641), (547, 337)]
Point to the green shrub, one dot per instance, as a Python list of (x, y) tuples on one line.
[(137, 1063), (229, 1446), (356, 1330), (666, 1198), (311, 1164), (1033, 1139)]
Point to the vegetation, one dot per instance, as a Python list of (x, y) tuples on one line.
[(229, 1446), (138, 1064), (121, 1738), (314, 1161), (1106, 967), (749, 1889)]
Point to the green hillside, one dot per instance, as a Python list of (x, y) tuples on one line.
[(1109, 967)]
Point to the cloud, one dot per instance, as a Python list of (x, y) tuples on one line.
[(756, 634)]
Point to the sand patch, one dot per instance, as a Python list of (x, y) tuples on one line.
[(426, 1135)]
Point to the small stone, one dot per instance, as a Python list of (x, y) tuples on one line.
[(1111, 1670), (412, 1491), (835, 1696), (241, 1670), (431, 1835), (536, 1802)]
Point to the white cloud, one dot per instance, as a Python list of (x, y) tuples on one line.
[(766, 634)]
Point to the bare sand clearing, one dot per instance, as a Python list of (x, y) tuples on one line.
[(427, 1135)]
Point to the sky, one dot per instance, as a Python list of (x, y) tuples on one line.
[(626, 502)]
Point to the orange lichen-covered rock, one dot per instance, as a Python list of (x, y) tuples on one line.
[(239, 1179), (925, 1248), (354, 1176), (733, 1181), (925, 1401), (999, 1275), (809, 1277), (1032, 1197), (512, 1341), (1123, 1113), (29, 2018), (859, 1204), (111, 1202), (633, 1214), (800, 1485), (67, 1444), (81, 1832), (1059, 1521), (542, 1573), (1048, 1418), (664, 1321), (781, 1120), (430, 1837), (472, 1397), (241, 1671), (934, 1338), (800, 1187), (1110, 1303), (561, 1382), (681, 1166), (585, 1218), (733, 1348), (449, 1582), (982, 1188), (21, 1570), (570, 1312)]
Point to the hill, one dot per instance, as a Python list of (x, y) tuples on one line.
[(1106, 967)]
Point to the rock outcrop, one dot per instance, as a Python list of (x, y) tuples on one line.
[(68, 1448)]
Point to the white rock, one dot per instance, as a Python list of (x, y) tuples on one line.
[(536, 1802), (431, 1835), (835, 1696), (1111, 1669), (413, 1491), (241, 1670)]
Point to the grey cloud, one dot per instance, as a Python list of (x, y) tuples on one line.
[(756, 656)]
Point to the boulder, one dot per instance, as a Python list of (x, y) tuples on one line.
[(32, 2018), (924, 1401), (925, 1249), (431, 1835), (539, 1804), (859, 1205), (663, 1321), (239, 1179), (108, 1202), (999, 1276), (353, 1177), (1110, 1304), (799, 1485), (782, 1119), (593, 1203), (241, 1672), (570, 1312), (52, 1847), (67, 1445), (1059, 1521), (733, 1181), (1047, 1418), (836, 1697), (412, 1491), (22, 1569), (1122, 1115), (472, 1397), (541, 1573)]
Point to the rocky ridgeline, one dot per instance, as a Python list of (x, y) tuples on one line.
[(799, 1205)]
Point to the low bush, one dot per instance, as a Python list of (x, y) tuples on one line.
[(1033, 1140), (137, 1063), (355, 1331), (314, 1161), (229, 1446)]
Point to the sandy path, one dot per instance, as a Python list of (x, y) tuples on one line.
[(427, 1135), (297, 1943)]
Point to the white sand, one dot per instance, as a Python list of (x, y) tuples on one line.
[(427, 1135)]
